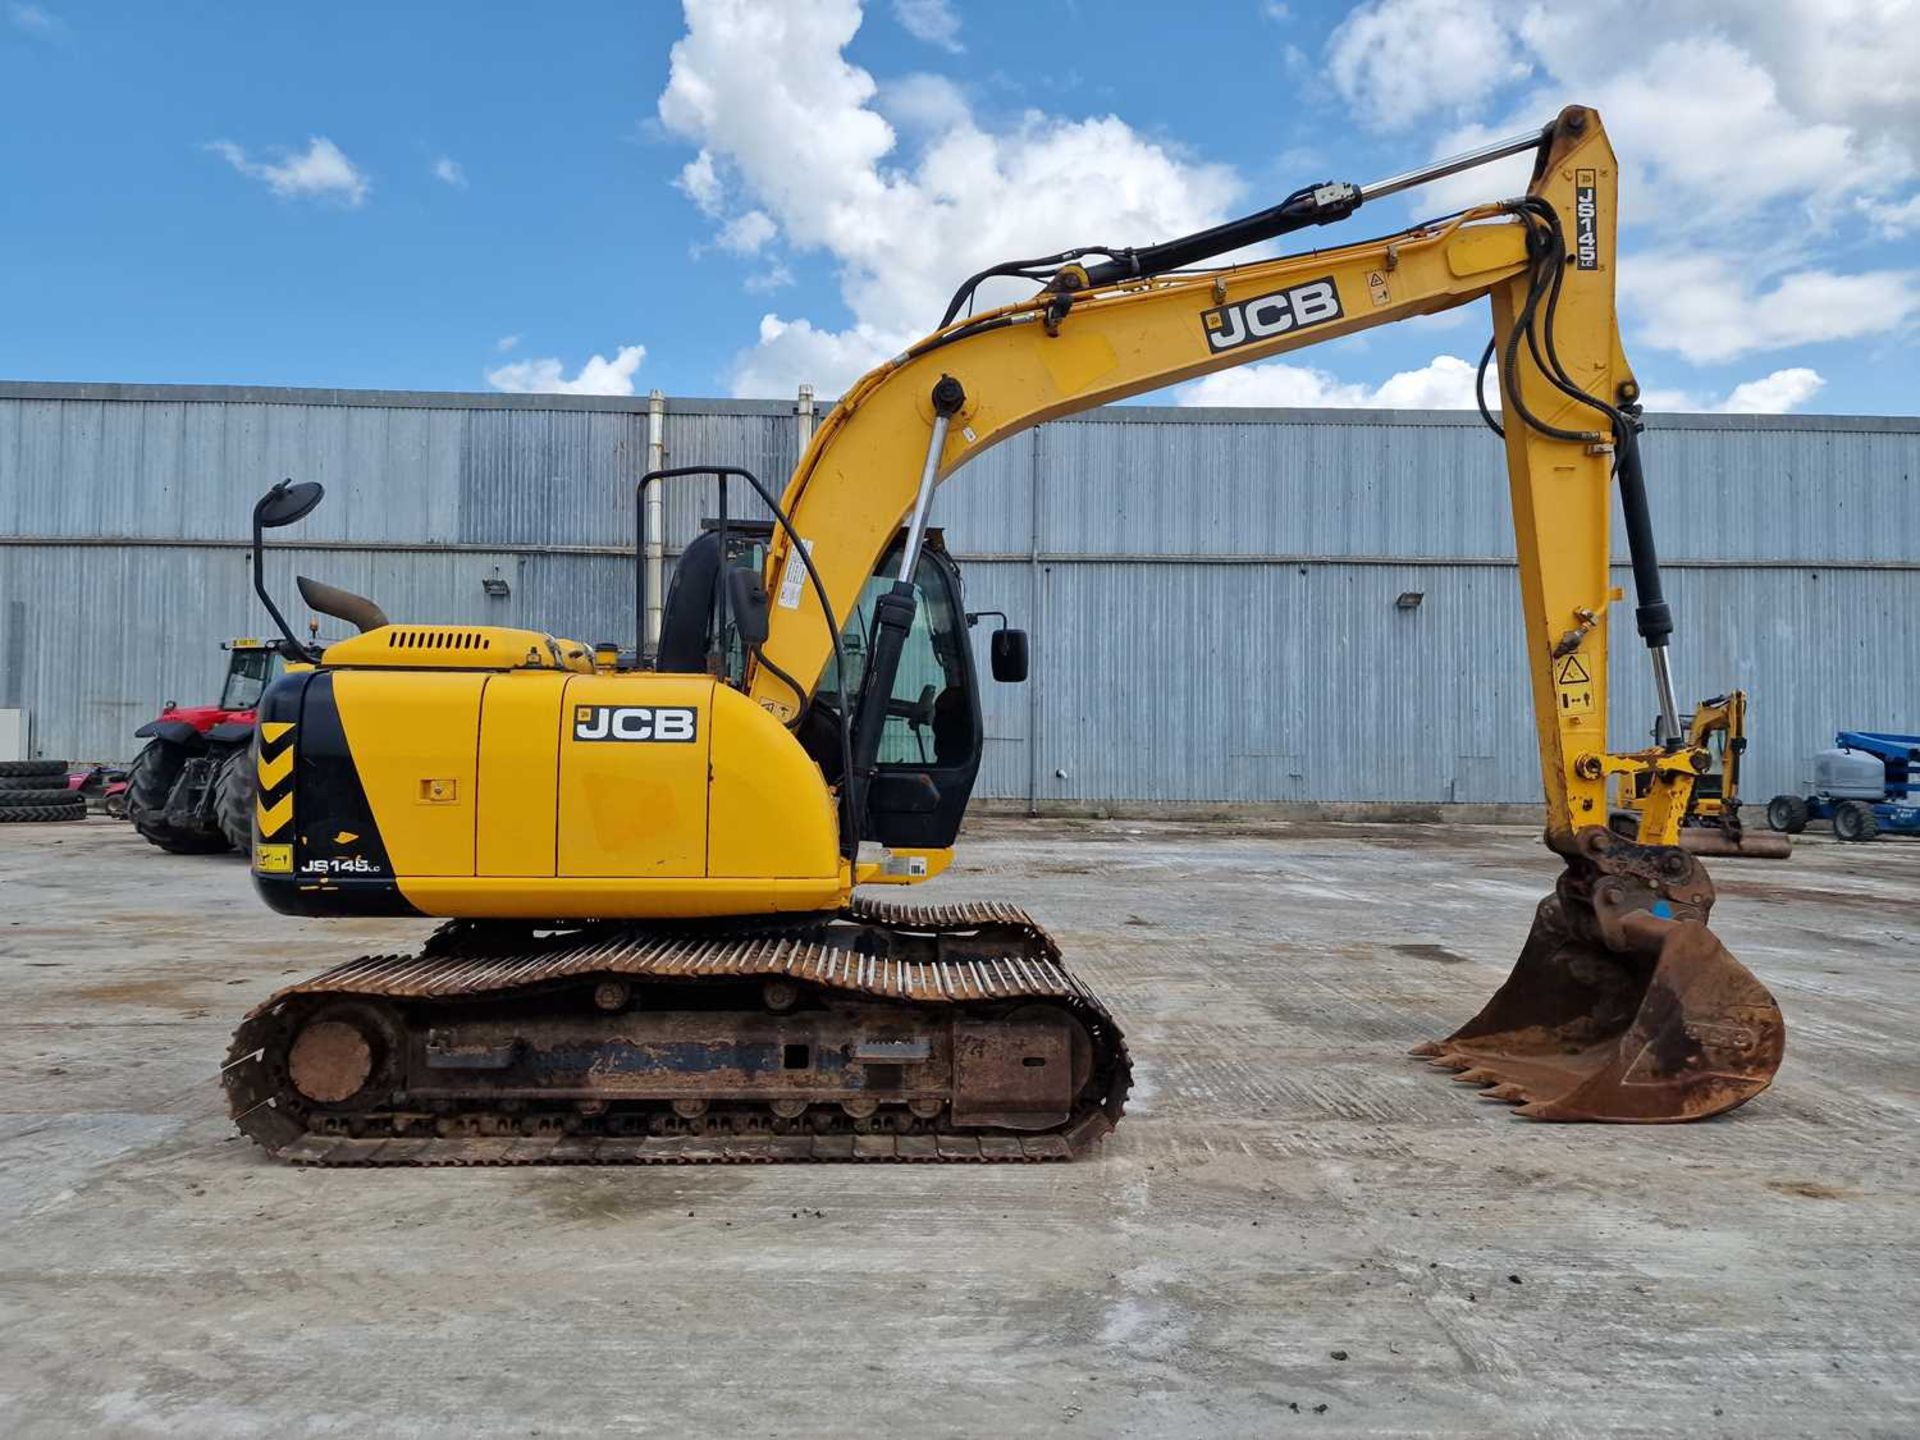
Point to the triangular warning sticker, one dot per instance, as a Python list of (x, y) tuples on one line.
[(1572, 672)]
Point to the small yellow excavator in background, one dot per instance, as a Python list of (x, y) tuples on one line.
[(1711, 824), (655, 950)]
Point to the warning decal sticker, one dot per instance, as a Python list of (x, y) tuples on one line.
[(1574, 686), (792, 577)]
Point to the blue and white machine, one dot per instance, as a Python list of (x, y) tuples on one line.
[(1865, 785)]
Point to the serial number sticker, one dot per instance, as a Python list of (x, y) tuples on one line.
[(793, 577)]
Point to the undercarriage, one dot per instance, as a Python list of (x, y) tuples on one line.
[(881, 1033)]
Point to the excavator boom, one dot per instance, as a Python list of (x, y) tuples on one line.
[(655, 950)]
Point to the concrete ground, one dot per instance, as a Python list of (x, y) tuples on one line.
[(1295, 1231)]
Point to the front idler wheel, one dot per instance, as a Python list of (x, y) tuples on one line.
[(344, 1056)]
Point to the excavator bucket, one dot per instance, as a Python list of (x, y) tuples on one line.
[(1712, 840), (1661, 1026)]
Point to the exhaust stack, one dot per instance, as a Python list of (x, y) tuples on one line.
[(356, 610)]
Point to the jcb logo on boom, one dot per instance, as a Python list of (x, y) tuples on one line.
[(677, 724), (1245, 321)]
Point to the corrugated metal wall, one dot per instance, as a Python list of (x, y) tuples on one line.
[(1211, 593)]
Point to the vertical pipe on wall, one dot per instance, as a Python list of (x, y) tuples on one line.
[(1034, 623), (804, 419), (654, 539)]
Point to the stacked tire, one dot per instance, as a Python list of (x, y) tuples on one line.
[(35, 792)]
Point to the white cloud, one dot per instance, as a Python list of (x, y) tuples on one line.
[(449, 171), (1755, 141), (36, 21), (746, 81), (776, 277), (322, 172), (930, 20), (506, 343), (1773, 394), (700, 182), (1444, 383), (923, 104), (1893, 219), (1803, 64), (546, 376), (1855, 63), (792, 353), (1396, 61), (1688, 120), (1708, 308), (747, 233)]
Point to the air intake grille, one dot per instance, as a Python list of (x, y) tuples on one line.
[(399, 639)]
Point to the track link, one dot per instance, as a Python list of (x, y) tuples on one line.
[(975, 965)]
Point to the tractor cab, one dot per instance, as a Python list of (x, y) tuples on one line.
[(252, 665)]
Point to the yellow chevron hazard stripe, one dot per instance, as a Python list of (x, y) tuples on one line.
[(273, 821), (273, 771), (272, 730)]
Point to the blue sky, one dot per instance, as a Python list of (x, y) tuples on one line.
[(735, 197)]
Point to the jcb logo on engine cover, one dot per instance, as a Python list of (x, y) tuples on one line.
[(1264, 316), (676, 723)]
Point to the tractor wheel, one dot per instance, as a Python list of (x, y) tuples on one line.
[(150, 781), (1855, 820), (233, 799), (1787, 814), (22, 769), (42, 814)]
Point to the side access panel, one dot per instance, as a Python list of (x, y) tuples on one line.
[(770, 812), (412, 737), (519, 773), (633, 776)]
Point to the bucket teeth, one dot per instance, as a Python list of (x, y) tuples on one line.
[(1425, 1049), (1509, 1094), (1475, 1077)]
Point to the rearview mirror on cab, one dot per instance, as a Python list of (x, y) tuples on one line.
[(1008, 653)]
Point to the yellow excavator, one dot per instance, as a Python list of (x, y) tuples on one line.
[(656, 946), (1711, 824)]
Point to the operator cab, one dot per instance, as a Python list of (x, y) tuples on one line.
[(930, 748)]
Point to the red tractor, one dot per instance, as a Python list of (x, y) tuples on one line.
[(191, 789)]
